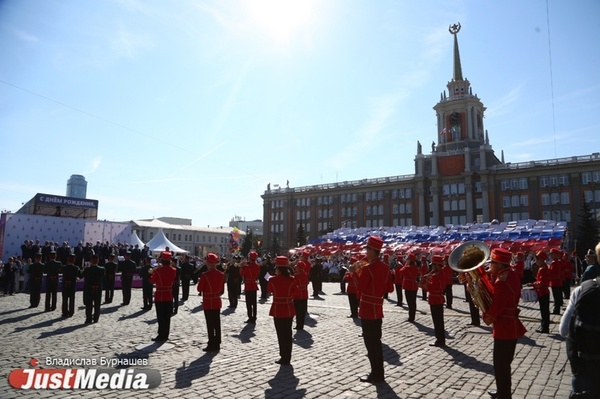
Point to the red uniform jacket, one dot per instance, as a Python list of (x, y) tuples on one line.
[(211, 284), (423, 269), (302, 285), (397, 275), (250, 275), (374, 281), (163, 277), (504, 311), (409, 273), (305, 265), (435, 284), (351, 280), (542, 281), (519, 268), (284, 290), (567, 269), (555, 268), (449, 273)]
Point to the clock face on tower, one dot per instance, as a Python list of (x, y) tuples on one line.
[(455, 119)]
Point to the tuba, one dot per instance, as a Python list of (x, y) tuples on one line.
[(469, 258)]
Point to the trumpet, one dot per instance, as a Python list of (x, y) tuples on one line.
[(469, 258)]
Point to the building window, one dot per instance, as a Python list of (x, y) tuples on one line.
[(524, 200), (563, 180), (506, 201), (505, 185), (545, 201), (514, 200), (544, 182), (523, 183), (478, 187), (564, 198)]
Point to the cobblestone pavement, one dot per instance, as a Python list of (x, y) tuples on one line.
[(327, 360)]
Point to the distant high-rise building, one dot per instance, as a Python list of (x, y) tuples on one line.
[(76, 187)]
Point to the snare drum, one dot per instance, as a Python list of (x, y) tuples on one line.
[(529, 295)]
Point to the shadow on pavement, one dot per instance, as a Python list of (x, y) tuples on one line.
[(17, 319), (385, 391), (133, 315), (62, 330), (310, 321), (111, 309), (303, 339), (246, 334), (13, 311), (469, 362), (284, 385), (391, 356), (196, 369), (46, 323)]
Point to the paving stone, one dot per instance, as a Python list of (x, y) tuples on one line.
[(327, 358)]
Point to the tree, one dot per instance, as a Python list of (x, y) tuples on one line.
[(247, 243), (588, 234), (300, 236)]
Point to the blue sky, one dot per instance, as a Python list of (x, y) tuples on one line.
[(190, 108)]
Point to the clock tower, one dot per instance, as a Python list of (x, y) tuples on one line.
[(462, 155)]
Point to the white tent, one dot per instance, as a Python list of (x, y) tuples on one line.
[(136, 240), (159, 243)]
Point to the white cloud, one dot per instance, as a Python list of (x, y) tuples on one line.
[(505, 104)]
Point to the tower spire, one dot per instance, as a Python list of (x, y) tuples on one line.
[(454, 29)]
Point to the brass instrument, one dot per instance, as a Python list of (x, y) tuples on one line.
[(357, 266), (469, 258), (425, 280)]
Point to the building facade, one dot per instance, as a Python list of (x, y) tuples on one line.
[(460, 181), (197, 240)]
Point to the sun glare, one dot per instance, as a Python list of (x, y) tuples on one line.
[(280, 19)]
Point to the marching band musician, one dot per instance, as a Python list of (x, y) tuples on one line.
[(232, 275), (250, 272), (350, 277), (540, 285), (211, 284), (447, 270), (374, 281), (435, 283), (147, 287), (409, 273), (503, 314), (423, 270), (163, 277), (556, 279), (398, 280), (93, 277), (304, 262), (283, 287), (519, 265), (301, 296)]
